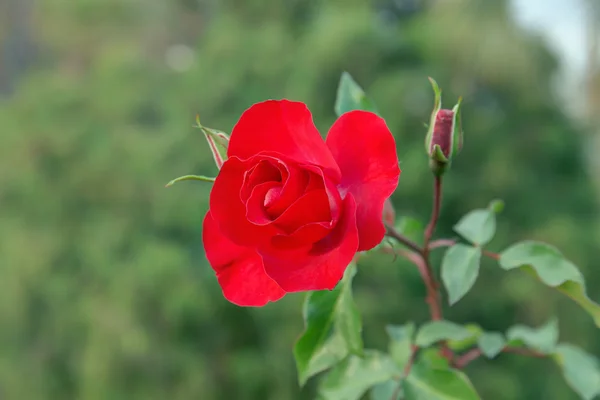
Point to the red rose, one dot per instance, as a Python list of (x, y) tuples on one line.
[(288, 211)]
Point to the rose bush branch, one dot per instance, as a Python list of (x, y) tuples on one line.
[(465, 359), (290, 212)]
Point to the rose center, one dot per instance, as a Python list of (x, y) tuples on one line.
[(272, 196)]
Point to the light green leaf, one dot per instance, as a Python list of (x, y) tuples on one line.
[(543, 339), (491, 343), (190, 178), (401, 339), (580, 369), (549, 266), (424, 383), (350, 379), (460, 268), (436, 331), (431, 357), (460, 345), (350, 96), (347, 316), (385, 391), (478, 226), (332, 329)]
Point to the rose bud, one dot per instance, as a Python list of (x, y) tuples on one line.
[(218, 142), (445, 136), (288, 210)]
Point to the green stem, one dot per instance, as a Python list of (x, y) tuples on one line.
[(190, 178)]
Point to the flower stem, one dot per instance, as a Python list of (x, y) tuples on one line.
[(431, 283), (475, 353), (437, 201), (393, 233)]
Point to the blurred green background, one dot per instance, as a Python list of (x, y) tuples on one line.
[(104, 289)]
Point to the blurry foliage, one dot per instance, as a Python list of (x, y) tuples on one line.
[(104, 289)]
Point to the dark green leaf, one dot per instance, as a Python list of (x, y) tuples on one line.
[(549, 265), (350, 379), (332, 329), (460, 268), (491, 343), (401, 339), (478, 226), (580, 369), (435, 331), (411, 228), (350, 96), (543, 339), (424, 383)]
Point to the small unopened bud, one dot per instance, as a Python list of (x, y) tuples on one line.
[(444, 137), (218, 142)]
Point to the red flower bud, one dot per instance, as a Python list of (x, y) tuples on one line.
[(442, 132), (444, 138)]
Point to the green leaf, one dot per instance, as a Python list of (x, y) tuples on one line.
[(350, 96), (543, 339), (350, 379), (478, 226), (401, 339), (580, 369), (332, 329), (460, 345), (576, 291), (411, 228), (347, 317), (549, 266), (425, 383), (385, 391), (431, 357), (190, 178), (491, 343), (460, 268), (496, 206), (436, 331)]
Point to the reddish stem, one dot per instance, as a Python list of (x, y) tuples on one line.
[(475, 353), (393, 233), (437, 201), (431, 283)]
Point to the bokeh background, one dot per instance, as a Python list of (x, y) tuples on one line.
[(105, 293)]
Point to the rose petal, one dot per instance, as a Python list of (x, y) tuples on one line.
[(285, 127), (311, 207), (239, 270), (293, 187), (228, 209), (320, 266), (365, 150), (256, 211), (304, 236), (263, 171)]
